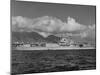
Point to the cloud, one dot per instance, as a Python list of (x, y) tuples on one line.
[(44, 34), (72, 25), (90, 32), (20, 23), (54, 25), (47, 25)]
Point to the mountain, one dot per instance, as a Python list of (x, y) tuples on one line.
[(26, 37), (52, 39), (32, 37), (36, 37)]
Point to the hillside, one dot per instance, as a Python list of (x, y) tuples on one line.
[(26, 37), (32, 37)]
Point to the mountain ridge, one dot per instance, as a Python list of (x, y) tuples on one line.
[(32, 37)]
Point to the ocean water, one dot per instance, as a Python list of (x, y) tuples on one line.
[(40, 61)]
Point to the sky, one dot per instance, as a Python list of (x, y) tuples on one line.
[(56, 19), (82, 14)]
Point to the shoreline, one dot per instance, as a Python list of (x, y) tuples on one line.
[(52, 48)]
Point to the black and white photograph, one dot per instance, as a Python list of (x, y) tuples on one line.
[(52, 37)]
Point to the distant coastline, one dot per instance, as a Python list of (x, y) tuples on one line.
[(52, 48)]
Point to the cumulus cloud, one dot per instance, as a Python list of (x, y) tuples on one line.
[(72, 25), (90, 32), (47, 25), (20, 23)]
